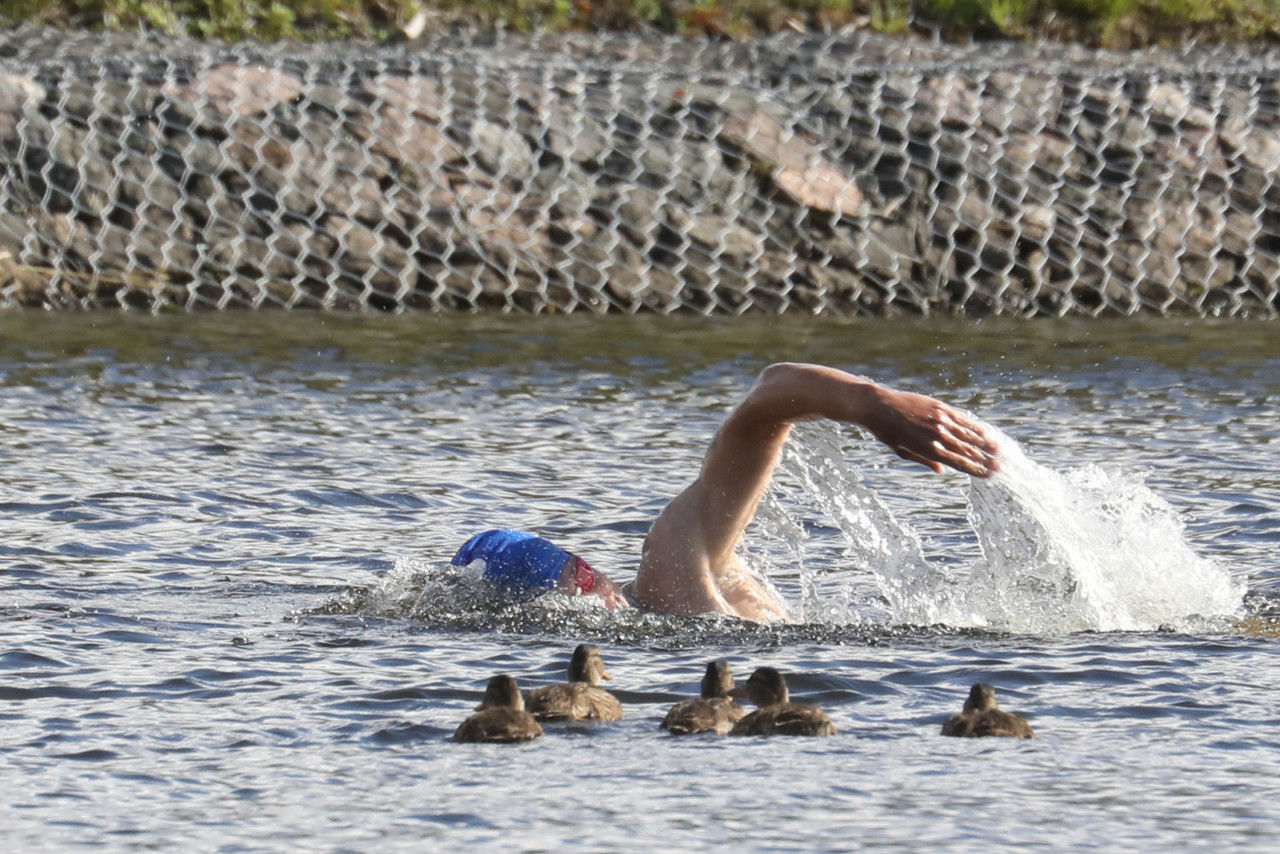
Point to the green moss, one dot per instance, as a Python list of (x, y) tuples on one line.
[(1121, 23)]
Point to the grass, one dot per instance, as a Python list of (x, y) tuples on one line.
[(1112, 23)]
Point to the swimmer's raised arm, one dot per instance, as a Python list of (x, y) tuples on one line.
[(690, 563)]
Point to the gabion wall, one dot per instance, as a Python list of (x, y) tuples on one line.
[(846, 173)]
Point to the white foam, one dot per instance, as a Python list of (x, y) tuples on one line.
[(1084, 549)]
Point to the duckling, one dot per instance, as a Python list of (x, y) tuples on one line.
[(500, 717), (581, 699), (776, 714), (713, 711), (982, 717)]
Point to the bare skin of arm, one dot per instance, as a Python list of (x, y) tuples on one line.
[(690, 563)]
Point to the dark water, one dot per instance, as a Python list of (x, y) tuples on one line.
[(225, 625)]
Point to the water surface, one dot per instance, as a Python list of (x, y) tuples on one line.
[(226, 625)]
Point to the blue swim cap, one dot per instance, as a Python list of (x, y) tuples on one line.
[(514, 559)]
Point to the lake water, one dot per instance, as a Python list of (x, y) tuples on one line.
[(227, 623)]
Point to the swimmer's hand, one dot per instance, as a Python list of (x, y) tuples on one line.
[(929, 432), (611, 595)]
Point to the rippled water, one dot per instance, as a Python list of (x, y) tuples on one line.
[(226, 624)]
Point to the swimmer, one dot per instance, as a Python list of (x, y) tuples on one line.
[(690, 564)]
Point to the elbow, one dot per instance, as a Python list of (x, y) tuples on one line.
[(778, 378), (779, 371)]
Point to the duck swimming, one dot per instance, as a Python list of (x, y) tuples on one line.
[(582, 699), (500, 717), (776, 714), (981, 717), (713, 711)]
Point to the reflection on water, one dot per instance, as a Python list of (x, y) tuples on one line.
[(224, 542)]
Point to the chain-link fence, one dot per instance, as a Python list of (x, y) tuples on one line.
[(846, 173)]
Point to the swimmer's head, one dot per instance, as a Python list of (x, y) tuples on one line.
[(514, 559), (522, 562)]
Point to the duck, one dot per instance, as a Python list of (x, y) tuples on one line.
[(713, 711), (500, 717), (582, 699), (981, 717), (775, 713)]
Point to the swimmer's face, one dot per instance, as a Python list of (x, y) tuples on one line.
[(577, 578)]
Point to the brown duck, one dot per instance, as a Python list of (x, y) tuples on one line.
[(500, 717), (581, 699), (775, 713), (713, 711), (982, 717)]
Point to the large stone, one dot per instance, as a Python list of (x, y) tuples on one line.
[(796, 165), (230, 90)]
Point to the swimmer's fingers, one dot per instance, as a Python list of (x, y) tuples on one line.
[(963, 444), (967, 430), (963, 455), (950, 451), (932, 465), (933, 434)]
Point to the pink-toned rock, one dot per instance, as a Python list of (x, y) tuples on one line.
[(244, 90), (404, 121), (795, 164), (414, 94)]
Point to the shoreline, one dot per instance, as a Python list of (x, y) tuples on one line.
[(850, 173)]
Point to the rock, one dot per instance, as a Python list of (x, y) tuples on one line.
[(1173, 106), (948, 101), (373, 259), (886, 252), (794, 164), (1036, 223), (1261, 274), (568, 172), (412, 95), (19, 95), (500, 151), (229, 90), (632, 210), (405, 138)]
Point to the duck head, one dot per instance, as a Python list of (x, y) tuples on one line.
[(718, 681), (502, 692), (587, 665), (766, 687), (981, 698)]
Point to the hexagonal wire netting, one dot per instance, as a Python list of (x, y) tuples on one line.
[(846, 173)]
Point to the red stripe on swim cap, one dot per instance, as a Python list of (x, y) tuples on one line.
[(584, 577)]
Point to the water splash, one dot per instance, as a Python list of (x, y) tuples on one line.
[(439, 597), (1060, 552), (1049, 552)]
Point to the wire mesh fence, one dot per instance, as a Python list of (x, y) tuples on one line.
[(846, 173)]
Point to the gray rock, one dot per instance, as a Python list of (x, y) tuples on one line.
[(500, 151), (19, 97)]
